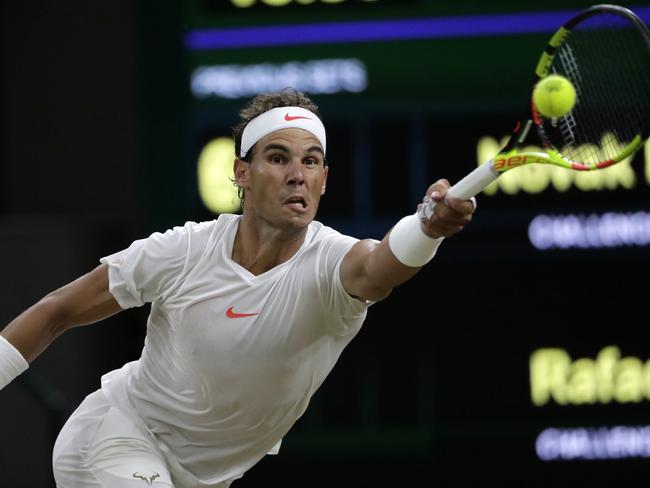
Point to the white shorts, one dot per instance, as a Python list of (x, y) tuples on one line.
[(101, 446)]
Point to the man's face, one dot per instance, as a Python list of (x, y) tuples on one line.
[(285, 179)]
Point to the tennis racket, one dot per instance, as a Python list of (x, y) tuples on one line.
[(605, 52)]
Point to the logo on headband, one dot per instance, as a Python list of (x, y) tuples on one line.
[(289, 118)]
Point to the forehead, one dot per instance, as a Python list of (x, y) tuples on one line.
[(292, 138)]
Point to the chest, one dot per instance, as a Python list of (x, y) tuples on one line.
[(226, 313)]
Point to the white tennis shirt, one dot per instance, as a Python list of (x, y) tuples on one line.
[(230, 359)]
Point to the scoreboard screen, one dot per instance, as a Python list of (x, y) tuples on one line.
[(536, 357)]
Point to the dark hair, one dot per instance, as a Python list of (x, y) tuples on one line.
[(289, 97)]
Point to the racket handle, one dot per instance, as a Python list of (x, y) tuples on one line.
[(472, 184)]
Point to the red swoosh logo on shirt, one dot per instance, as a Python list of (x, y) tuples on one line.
[(234, 315), (289, 118)]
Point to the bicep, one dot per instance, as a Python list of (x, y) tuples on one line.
[(85, 300), (356, 272)]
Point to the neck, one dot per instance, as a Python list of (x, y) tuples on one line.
[(259, 248)]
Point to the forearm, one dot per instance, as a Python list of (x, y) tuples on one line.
[(414, 240), (34, 329), (395, 260), (383, 272), (372, 269), (12, 363), (24, 339), (83, 301)]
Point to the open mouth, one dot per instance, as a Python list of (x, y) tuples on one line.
[(296, 202)]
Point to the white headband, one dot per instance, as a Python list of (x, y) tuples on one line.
[(278, 119)]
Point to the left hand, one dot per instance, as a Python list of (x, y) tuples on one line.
[(450, 215)]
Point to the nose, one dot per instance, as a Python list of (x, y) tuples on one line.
[(295, 175)]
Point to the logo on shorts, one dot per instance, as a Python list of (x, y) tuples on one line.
[(146, 476)]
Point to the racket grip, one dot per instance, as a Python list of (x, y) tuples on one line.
[(472, 184)]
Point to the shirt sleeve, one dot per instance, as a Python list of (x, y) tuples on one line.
[(336, 299), (149, 269)]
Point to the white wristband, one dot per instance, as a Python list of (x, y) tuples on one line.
[(410, 245), (12, 363)]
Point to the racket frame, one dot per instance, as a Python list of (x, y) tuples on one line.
[(510, 155)]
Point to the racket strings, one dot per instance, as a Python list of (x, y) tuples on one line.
[(593, 126), (622, 127), (600, 93), (626, 117), (634, 116), (609, 64), (570, 67)]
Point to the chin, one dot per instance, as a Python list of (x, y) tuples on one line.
[(300, 221)]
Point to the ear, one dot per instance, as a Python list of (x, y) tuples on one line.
[(326, 171), (241, 172)]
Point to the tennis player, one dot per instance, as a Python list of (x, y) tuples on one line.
[(248, 316)]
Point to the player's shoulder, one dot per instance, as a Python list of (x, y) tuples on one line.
[(318, 230), (321, 232), (196, 234), (222, 222)]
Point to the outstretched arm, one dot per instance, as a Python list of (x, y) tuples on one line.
[(370, 270), (83, 301)]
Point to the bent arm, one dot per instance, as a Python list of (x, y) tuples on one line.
[(83, 301)]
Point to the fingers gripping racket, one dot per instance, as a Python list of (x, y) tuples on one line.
[(605, 52)]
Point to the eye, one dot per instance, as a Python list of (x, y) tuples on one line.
[(277, 159), (311, 162)]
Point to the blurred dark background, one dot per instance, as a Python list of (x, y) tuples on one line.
[(101, 137)]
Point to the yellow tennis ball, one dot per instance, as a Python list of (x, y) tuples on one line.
[(554, 96)]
